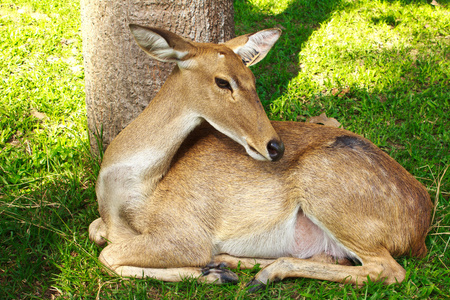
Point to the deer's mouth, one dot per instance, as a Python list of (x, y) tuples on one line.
[(255, 154), (274, 150)]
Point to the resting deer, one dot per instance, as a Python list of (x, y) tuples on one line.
[(181, 200)]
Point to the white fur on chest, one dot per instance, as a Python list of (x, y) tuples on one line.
[(132, 178), (126, 182)]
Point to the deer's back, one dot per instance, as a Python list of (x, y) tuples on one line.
[(342, 182)]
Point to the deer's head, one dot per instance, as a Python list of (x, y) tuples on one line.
[(215, 84)]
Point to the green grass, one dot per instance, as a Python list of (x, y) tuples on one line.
[(381, 68)]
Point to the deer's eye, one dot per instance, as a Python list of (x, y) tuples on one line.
[(223, 84)]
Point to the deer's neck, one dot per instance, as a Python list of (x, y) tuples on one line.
[(149, 143)]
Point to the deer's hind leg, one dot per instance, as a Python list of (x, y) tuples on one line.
[(164, 259), (379, 267), (234, 262), (207, 275)]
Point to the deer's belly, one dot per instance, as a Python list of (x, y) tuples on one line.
[(311, 239), (298, 236), (275, 242)]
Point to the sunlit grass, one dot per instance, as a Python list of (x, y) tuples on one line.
[(270, 7), (42, 104)]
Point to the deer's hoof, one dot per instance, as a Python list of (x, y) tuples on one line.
[(219, 275), (255, 285)]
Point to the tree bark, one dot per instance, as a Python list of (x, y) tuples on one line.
[(120, 79)]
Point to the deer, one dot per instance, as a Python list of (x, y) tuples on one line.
[(202, 182)]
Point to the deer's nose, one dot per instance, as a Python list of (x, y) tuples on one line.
[(275, 149)]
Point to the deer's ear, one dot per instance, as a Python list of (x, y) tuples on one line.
[(161, 44), (252, 48)]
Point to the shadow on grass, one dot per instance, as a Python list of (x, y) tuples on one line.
[(40, 233), (416, 2), (298, 21), (406, 97)]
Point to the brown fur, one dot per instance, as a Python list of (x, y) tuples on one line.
[(173, 202)]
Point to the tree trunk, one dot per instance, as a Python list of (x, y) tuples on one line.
[(120, 78)]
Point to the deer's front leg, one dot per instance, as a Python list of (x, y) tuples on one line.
[(169, 259), (233, 262), (98, 232)]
